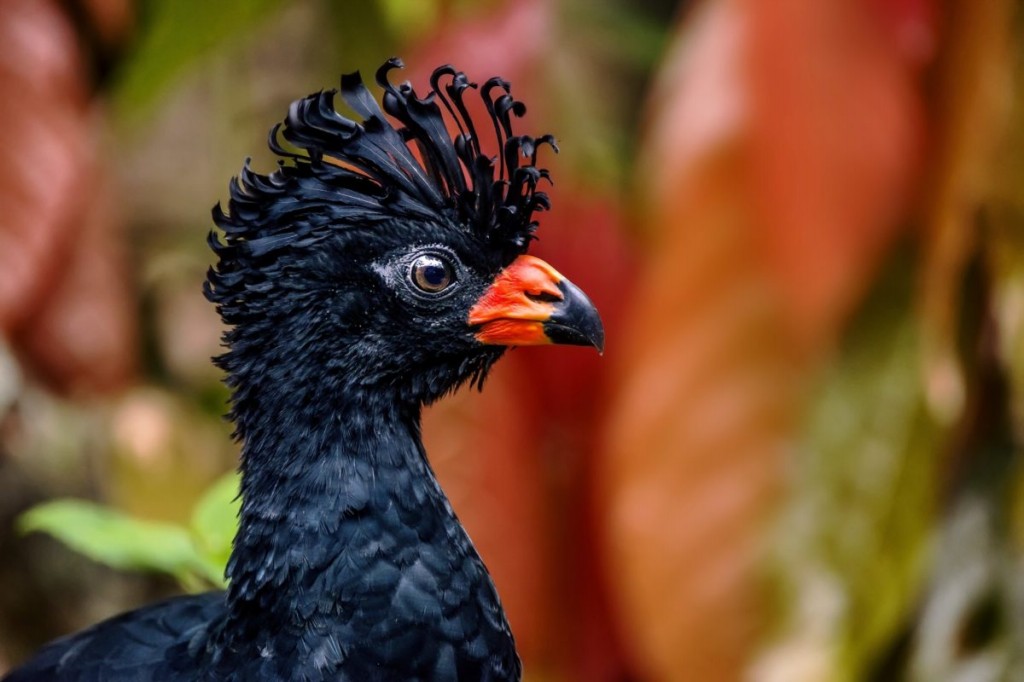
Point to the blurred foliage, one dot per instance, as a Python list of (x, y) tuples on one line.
[(867, 463), (174, 35), (194, 555), (825, 322), (628, 35), (410, 18), (214, 522)]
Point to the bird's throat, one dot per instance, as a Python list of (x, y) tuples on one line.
[(332, 517), (305, 487), (345, 536)]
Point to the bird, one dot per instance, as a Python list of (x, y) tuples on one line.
[(379, 267)]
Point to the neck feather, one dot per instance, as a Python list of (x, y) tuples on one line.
[(304, 479), (345, 536)]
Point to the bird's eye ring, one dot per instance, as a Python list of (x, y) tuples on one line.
[(431, 274)]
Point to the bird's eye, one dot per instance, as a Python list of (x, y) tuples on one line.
[(431, 274)]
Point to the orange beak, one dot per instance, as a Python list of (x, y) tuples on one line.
[(530, 303)]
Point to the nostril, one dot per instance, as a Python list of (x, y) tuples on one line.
[(542, 297)]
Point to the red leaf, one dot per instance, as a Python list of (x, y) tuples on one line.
[(778, 167), (63, 298)]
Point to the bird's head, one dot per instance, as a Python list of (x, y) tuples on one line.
[(386, 259)]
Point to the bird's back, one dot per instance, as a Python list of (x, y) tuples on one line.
[(145, 644)]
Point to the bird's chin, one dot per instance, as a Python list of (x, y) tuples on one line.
[(480, 366), (472, 371)]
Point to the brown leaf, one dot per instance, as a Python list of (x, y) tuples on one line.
[(113, 19), (837, 125), (84, 337), (64, 299), (695, 432), (45, 136), (777, 166), (973, 77)]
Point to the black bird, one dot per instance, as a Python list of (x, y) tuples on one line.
[(381, 266)]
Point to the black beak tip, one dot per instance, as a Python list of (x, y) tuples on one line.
[(576, 321)]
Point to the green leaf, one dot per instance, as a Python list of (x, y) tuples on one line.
[(410, 18), (854, 542), (115, 539), (623, 31), (176, 34), (214, 524)]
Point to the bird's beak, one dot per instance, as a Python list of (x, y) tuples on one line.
[(530, 303)]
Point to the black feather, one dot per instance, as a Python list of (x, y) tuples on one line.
[(349, 563), (349, 172)]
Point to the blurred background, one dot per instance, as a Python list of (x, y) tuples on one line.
[(803, 222)]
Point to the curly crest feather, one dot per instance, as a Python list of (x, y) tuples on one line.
[(367, 173)]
